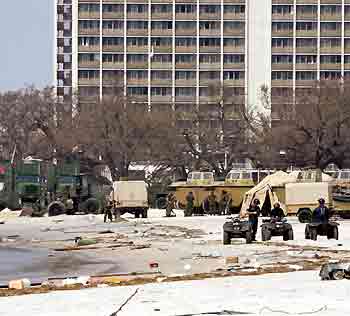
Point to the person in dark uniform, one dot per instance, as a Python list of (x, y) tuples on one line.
[(321, 213), (109, 211), (254, 212), (224, 203), (277, 211), (189, 204)]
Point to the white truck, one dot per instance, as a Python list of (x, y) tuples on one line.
[(130, 197)]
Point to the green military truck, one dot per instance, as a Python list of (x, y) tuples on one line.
[(71, 191), (8, 195)]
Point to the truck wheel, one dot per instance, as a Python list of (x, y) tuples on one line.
[(226, 238), (265, 234), (145, 213), (248, 237), (288, 235), (337, 275), (313, 234), (304, 215), (307, 232), (56, 208), (161, 203), (92, 206)]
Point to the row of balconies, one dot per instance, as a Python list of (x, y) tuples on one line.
[(162, 15), (328, 66), (163, 82), (310, 1), (158, 65), (168, 1), (165, 49), (311, 33), (311, 49), (164, 32), (310, 17)]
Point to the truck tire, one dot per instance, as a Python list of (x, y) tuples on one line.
[(226, 238), (337, 275), (56, 208), (265, 234), (304, 215), (161, 203), (91, 206), (248, 237), (288, 235), (144, 213)]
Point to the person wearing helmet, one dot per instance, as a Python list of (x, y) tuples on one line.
[(321, 213), (277, 211), (254, 212)]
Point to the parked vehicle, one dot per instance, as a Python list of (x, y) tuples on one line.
[(130, 197), (276, 227), (237, 228)]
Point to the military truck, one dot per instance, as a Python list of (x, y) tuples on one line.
[(71, 191), (8, 195)]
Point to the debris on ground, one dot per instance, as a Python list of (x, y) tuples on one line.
[(19, 284), (106, 232), (85, 242)]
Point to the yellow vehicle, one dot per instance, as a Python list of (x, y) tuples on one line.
[(341, 192), (236, 184)]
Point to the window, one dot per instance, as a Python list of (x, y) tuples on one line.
[(330, 42), (89, 7), (282, 92), (209, 59), (233, 75), (330, 75), (113, 58), (137, 41), (306, 42), (160, 58), (185, 25), (161, 41), (209, 25), (306, 26), (209, 42), (236, 25), (307, 10), (209, 75), (137, 91), (186, 92), (209, 9), (161, 8), (162, 25), (185, 75), (185, 42), (331, 9), (137, 74), (282, 75), (330, 26), (282, 9), (236, 9), (282, 26), (282, 59), (89, 41), (137, 25), (347, 59), (113, 8), (185, 8), (89, 74), (113, 25), (161, 75), (89, 57), (160, 91), (282, 42), (183, 59), (306, 59), (233, 59), (306, 75), (137, 58), (112, 41), (330, 59), (89, 24), (137, 8)]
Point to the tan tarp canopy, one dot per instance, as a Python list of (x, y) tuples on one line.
[(263, 188)]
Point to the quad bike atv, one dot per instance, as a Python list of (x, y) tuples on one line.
[(329, 229), (276, 227), (334, 271), (237, 228)]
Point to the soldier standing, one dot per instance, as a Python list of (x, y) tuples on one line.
[(109, 212), (254, 212), (224, 203), (190, 204), (212, 203), (171, 200)]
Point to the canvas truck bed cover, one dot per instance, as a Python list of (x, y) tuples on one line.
[(307, 193)]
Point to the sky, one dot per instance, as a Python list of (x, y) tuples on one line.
[(26, 50)]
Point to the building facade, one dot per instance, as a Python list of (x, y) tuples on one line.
[(172, 51)]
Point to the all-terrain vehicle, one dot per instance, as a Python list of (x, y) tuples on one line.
[(276, 227), (237, 228), (330, 229), (334, 271)]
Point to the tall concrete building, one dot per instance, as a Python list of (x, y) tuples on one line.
[(171, 51)]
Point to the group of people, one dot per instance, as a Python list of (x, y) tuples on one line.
[(213, 206), (320, 214)]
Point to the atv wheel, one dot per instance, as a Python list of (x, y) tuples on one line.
[(288, 235), (307, 232), (333, 233), (265, 234), (313, 234), (304, 216), (56, 209), (226, 238), (248, 237), (337, 275)]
